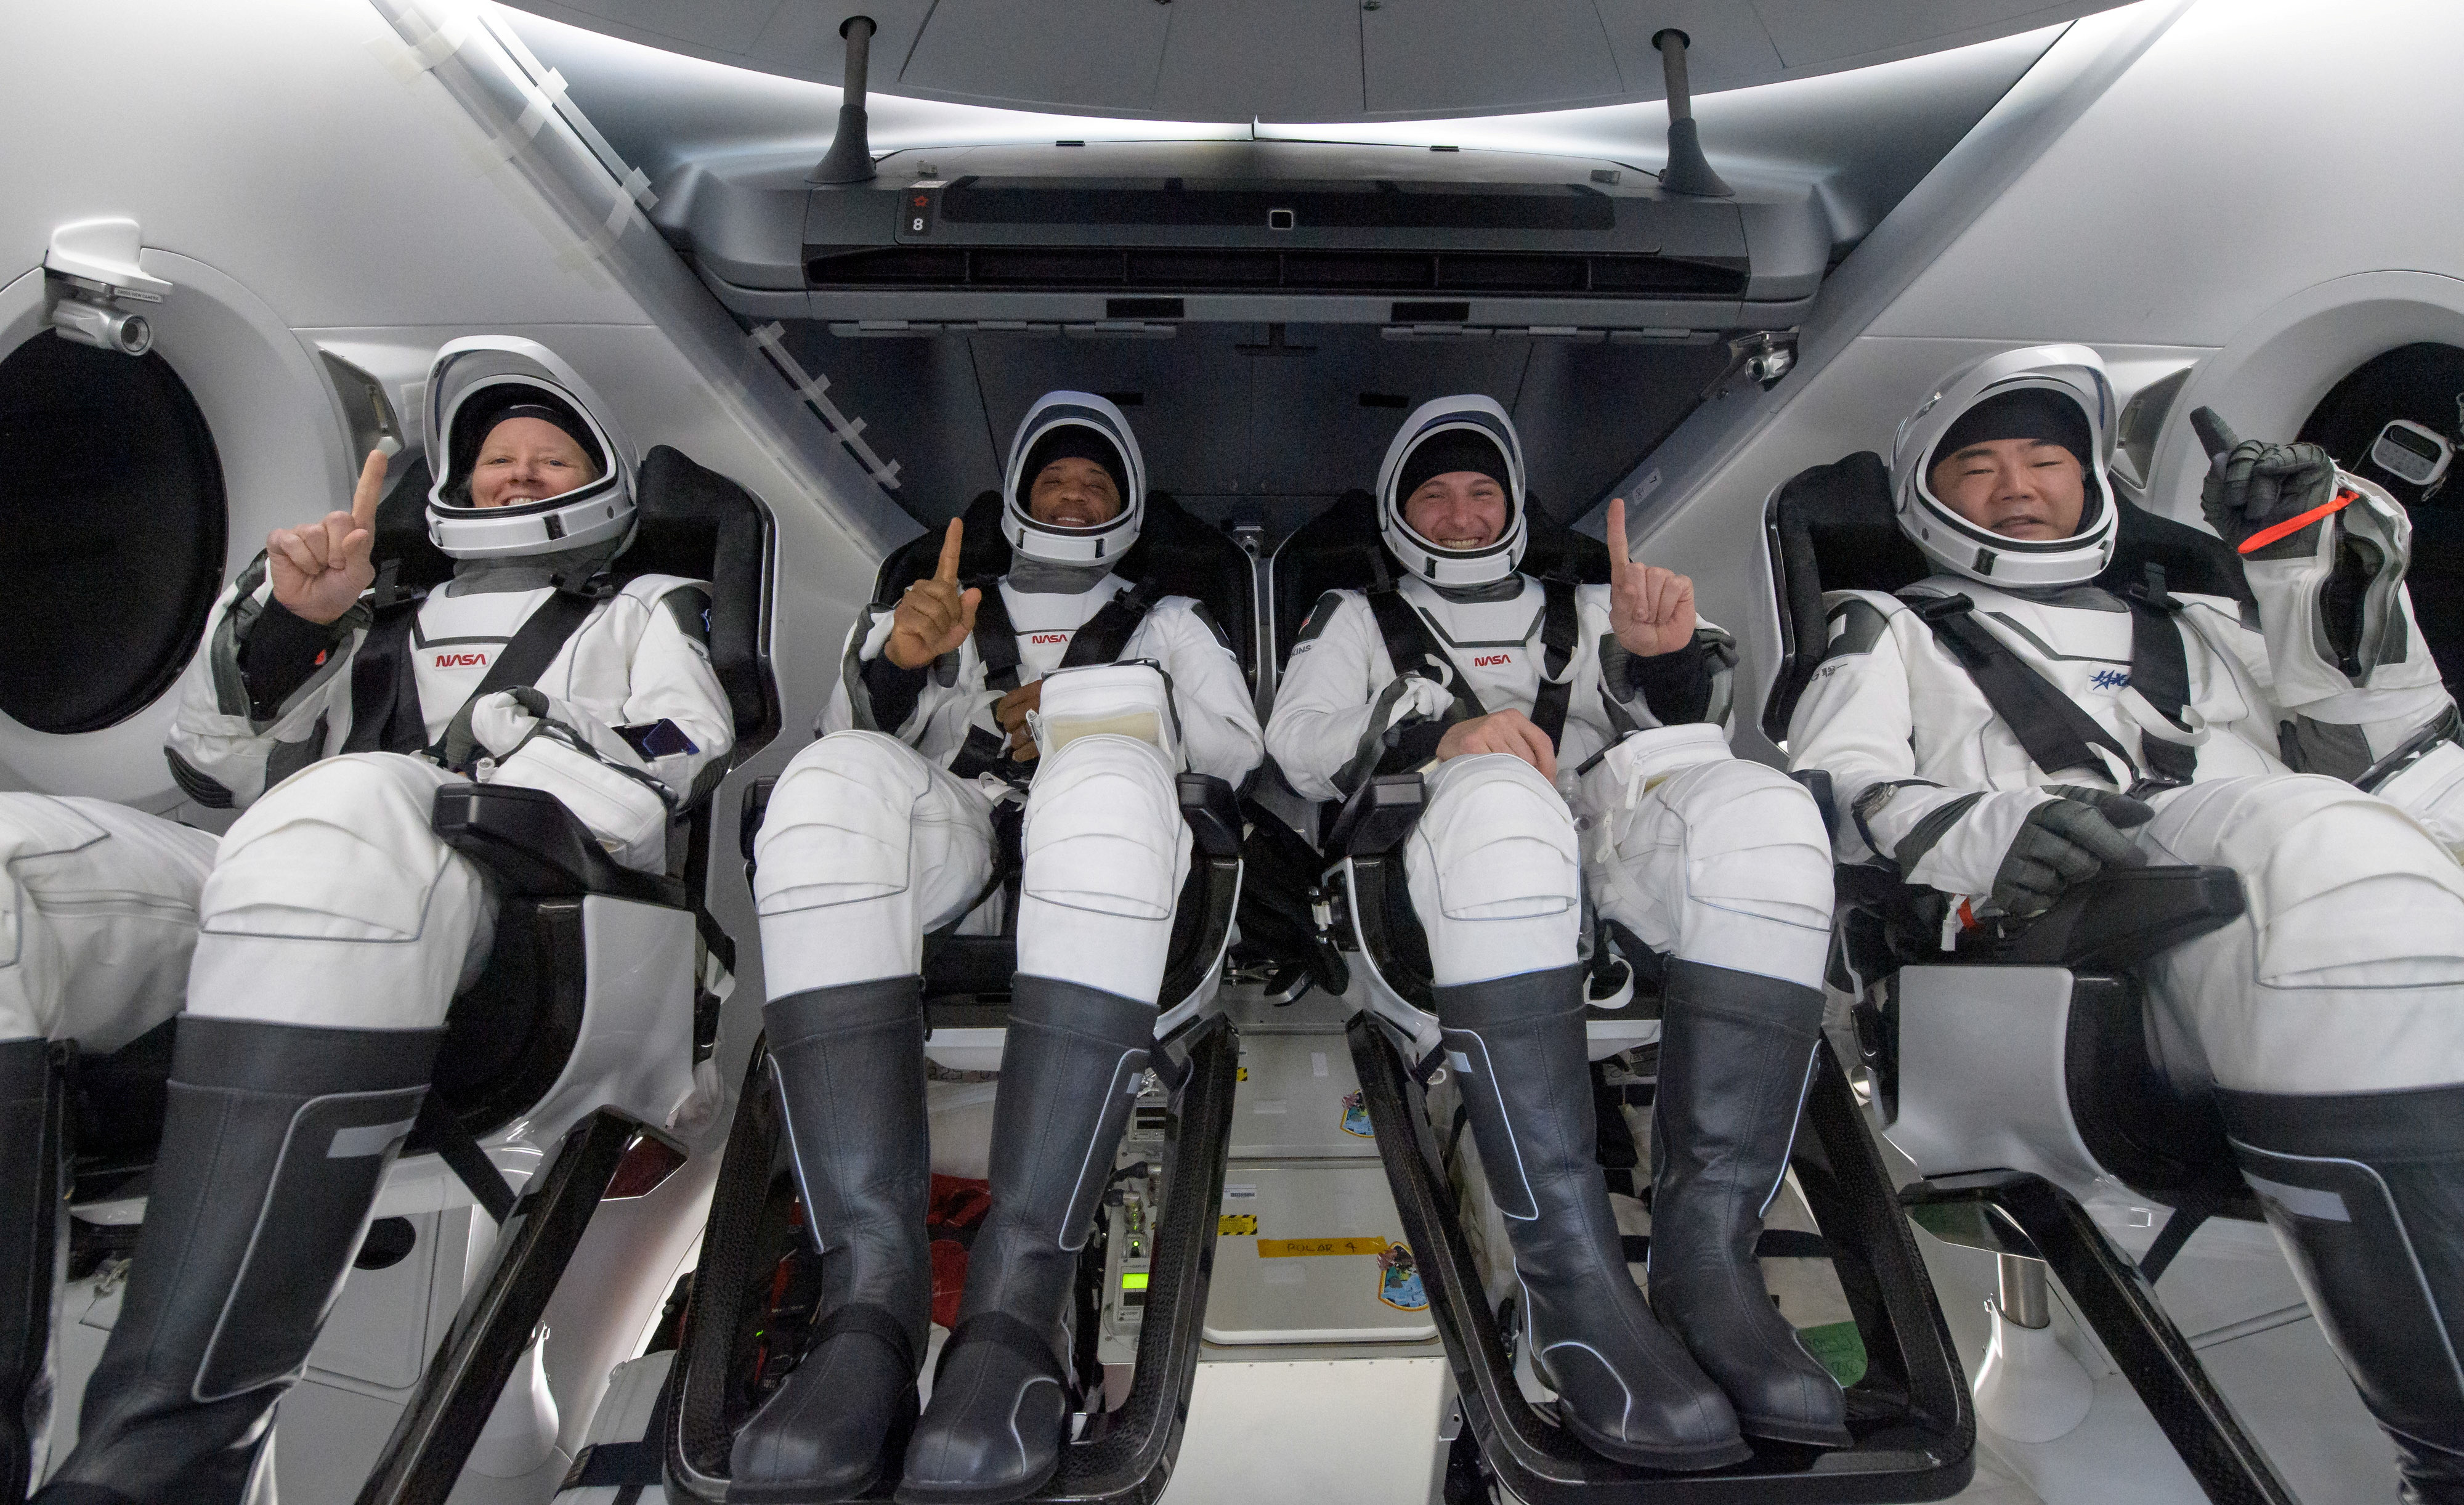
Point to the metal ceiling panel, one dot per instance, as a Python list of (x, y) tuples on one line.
[(1058, 54), (1303, 61), (1470, 56), (1262, 59)]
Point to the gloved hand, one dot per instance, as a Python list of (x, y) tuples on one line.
[(2064, 841), (502, 722), (2252, 485), (1416, 696)]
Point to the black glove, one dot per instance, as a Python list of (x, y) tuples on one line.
[(2066, 841), (2252, 486)]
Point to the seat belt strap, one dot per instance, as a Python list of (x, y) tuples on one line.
[(1108, 632), (521, 661), (1559, 633), (2159, 670), (2057, 734), (385, 693), (1099, 641), (1410, 648)]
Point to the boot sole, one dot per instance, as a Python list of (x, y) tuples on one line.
[(962, 1494), (1677, 1460), (1802, 1433)]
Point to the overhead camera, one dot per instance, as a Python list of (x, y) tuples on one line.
[(102, 326)]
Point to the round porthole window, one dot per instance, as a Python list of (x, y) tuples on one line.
[(2420, 387), (112, 532)]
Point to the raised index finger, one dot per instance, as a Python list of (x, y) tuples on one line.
[(369, 492), (1619, 559), (948, 569)]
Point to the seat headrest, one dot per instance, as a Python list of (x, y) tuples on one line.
[(1339, 549), (692, 522), (1832, 528), (1178, 551)]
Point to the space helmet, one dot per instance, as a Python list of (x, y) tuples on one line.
[(1073, 426), (1466, 433), (478, 382), (2061, 389)]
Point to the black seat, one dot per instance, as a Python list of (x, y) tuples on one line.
[(1126, 1452), (1339, 550), (1910, 1412), (967, 977), (1831, 528)]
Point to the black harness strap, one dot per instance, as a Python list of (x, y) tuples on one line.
[(1100, 640), (1559, 631), (1410, 649), (2049, 725), (525, 656), (1409, 646), (2159, 670), (385, 693)]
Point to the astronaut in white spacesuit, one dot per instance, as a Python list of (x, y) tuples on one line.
[(1092, 695), (2330, 1018), (1517, 689), (319, 943)]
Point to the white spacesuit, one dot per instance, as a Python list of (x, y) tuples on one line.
[(2330, 1016), (884, 830), (1718, 864), (331, 927)]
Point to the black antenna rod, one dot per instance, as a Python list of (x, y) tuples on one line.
[(1688, 170), (851, 154)]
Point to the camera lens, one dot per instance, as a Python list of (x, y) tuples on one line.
[(136, 335)]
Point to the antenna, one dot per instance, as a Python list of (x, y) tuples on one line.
[(1688, 170), (850, 155)]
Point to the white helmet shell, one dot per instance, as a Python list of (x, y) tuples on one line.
[(1960, 546), (1102, 544), (1444, 567), (472, 379)]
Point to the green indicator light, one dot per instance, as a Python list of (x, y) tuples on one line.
[(1133, 1281)]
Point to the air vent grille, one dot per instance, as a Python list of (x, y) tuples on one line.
[(1200, 269), (1380, 204)]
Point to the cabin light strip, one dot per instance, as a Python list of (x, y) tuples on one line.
[(771, 339)]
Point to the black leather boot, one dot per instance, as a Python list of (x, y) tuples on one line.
[(2366, 1192), (274, 1142), (1736, 1051), (848, 1065), (33, 1146), (1000, 1401), (1624, 1386)]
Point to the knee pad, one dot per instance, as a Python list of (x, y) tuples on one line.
[(841, 824), (1754, 842), (2345, 890), (1104, 830), (1496, 842), (346, 849)]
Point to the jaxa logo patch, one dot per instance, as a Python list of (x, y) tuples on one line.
[(461, 658), (2109, 679)]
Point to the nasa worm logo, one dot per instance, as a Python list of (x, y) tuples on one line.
[(1490, 660)]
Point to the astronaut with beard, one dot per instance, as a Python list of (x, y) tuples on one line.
[(2310, 749), (1508, 689), (954, 698), (319, 943)]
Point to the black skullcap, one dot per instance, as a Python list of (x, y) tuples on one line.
[(1074, 441), (472, 425), (1452, 450), (2031, 412)]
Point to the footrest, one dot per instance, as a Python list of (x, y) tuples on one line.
[(1914, 1427), (1127, 1452)]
